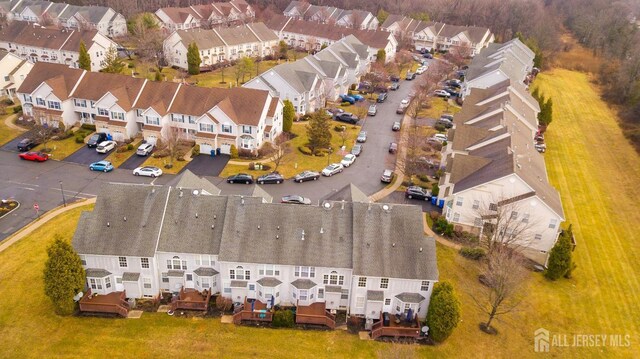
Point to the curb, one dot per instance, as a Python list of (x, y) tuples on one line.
[(8, 213)]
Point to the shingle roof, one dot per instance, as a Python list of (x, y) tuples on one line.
[(375, 295), (205, 272), (24, 33), (332, 289), (130, 277), (303, 283), (125, 88), (238, 284), (348, 193), (96, 273), (175, 273), (410, 297), (205, 39), (60, 78), (269, 282), (188, 180)]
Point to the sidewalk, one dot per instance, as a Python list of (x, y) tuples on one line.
[(29, 228), (9, 122), (428, 231)]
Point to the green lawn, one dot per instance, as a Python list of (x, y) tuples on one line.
[(6, 133), (118, 158), (61, 149), (438, 107), (160, 162)]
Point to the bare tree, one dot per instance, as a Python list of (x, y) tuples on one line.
[(404, 60), (505, 223), (281, 148), (459, 55), (172, 139), (44, 134), (148, 39)]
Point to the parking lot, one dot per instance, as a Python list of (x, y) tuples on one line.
[(86, 156)]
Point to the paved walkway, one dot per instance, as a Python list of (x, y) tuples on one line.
[(9, 122), (445, 242), (41, 221)]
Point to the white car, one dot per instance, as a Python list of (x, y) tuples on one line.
[(105, 146), (348, 160), (440, 137), (442, 93), (404, 102), (144, 149), (332, 169), (421, 70), (148, 171)]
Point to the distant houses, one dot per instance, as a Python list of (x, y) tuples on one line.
[(13, 70), (105, 20), (220, 44), (217, 14), (36, 43), (356, 19)]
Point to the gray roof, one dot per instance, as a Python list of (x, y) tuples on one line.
[(205, 272), (375, 295), (252, 191), (348, 193), (175, 273), (269, 282), (333, 289), (511, 57), (189, 180), (96, 273), (238, 284), (410, 297), (130, 277), (391, 242), (205, 39), (126, 221), (303, 283)]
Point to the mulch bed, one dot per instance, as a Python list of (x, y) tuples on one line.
[(6, 206)]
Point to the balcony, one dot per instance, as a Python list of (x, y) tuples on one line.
[(113, 302), (395, 327), (315, 313), (191, 299), (245, 313)]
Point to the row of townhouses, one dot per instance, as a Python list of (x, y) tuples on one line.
[(309, 82), (125, 106), (357, 19), (105, 20), (13, 70), (222, 44), (363, 258), (312, 35), (494, 176), (36, 43), (438, 36), (218, 14)]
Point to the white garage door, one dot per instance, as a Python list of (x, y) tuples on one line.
[(225, 149), (152, 139), (118, 136), (205, 148)]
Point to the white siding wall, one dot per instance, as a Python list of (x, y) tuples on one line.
[(396, 286), (112, 264)]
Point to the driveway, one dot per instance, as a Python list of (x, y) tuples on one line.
[(133, 162), (204, 165), (86, 156), (13, 144), (398, 197)]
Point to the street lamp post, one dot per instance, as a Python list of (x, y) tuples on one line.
[(64, 202)]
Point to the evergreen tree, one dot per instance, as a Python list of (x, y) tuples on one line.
[(548, 109), (283, 49), (63, 276), (247, 65), (158, 77), (193, 59), (444, 311), (84, 61), (560, 257), (288, 115), (324, 46), (318, 132), (381, 56), (112, 62), (382, 16)]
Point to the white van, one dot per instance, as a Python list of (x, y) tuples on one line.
[(440, 137)]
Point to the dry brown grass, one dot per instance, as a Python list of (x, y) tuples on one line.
[(576, 57)]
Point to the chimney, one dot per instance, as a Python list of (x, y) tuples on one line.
[(125, 218), (108, 224), (196, 214)]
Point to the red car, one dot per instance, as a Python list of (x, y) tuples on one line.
[(34, 156)]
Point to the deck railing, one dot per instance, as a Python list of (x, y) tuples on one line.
[(241, 314), (327, 319), (184, 303), (120, 306), (379, 330)]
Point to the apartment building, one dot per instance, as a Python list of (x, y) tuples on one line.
[(217, 14)]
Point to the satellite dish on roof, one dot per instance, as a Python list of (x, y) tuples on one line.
[(195, 192)]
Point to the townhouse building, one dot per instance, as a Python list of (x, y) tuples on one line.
[(312, 35), (309, 82), (357, 19), (374, 258), (13, 70), (35, 43), (217, 14), (125, 107), (103, 19), (220, 44)]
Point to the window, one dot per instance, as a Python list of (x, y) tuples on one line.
[(6, 78), (165, 278), (103, 111), (226, 128), (189, 277), (152, 120), (138, 112), (456, 217), (252, 287), (146, 282), (384, 283), (95, 283), (239, 273), (477, 222), (320, 293), (525, 218), (538, 237), (177, 118), (246, 129), (387, 301), (459, 201), (227, 290), (333, 279), (514, 215), (344, 294), (27, 98), (206, 127), (553, 223), (107, 282), (305, 272), (144, 262), (119, 280), (53, 104), (493, 207), (303, 294), (40, 101), (83, 259), (192, 120), (359, 302), (424, 286), (123, 262), (205, 283), (269, 270), (80, 103), (362, 282), (476, 204), (176, 263)]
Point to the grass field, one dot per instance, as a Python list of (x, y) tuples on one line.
[(7, 133)]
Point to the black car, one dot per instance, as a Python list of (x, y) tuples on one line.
[(295, 199), (347, 117), (453, 83), (356, 150), (410, 76), (427, 55), (382, 97), (240, 178), (96, 139), (394, 78), (394, 86), (447, 116), (26, 144), (270, 178), (452, 91), (445, 123), (415, 192), (306, 176)]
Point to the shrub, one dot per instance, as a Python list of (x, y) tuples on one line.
[(234, 151), (8, 102), (131, 65), (338, 128), (224, 304), (435, 189), (266, 150), (244, 153), (265, 167), (472, 253), (283, 319), (88, 126), (17, 109), (63, 276), (434, 215), (121, 149), (130, 147), (440, 128), (195, 151), (345, 104), (560, 257), (304, 150), (252, 166), (442, 226), (444, 311), (423, 178), (79, 138)]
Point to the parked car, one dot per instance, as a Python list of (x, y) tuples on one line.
[(541, 147), (372, 110), (358, 97), (382, 97), (452, 91), (446, 116), (347, 117), (416, 58), (106, 146), (394, 78), (348, 160), (442, 93), (427, 55), (445, 123), (394, 86), (332, 169), (269, 178), (362, 136), (148, 171), (144, 149), (421, 70), (26, 144), (295, 199), (410, 76), (417, 193), (356, 150), (401, 109), (104, 166), (34, 156), (393, 147), (440, 137), (306, 176), (453, 83), (97, 138), (396, 126), (240, 178), (347, 98), (387, 176)]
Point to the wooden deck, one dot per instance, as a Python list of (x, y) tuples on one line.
[(259, 312), (114, 302), (396, 330), (315, 313), (191, 299)]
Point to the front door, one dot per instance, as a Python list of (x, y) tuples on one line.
[(189, 281), (119, 285)]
